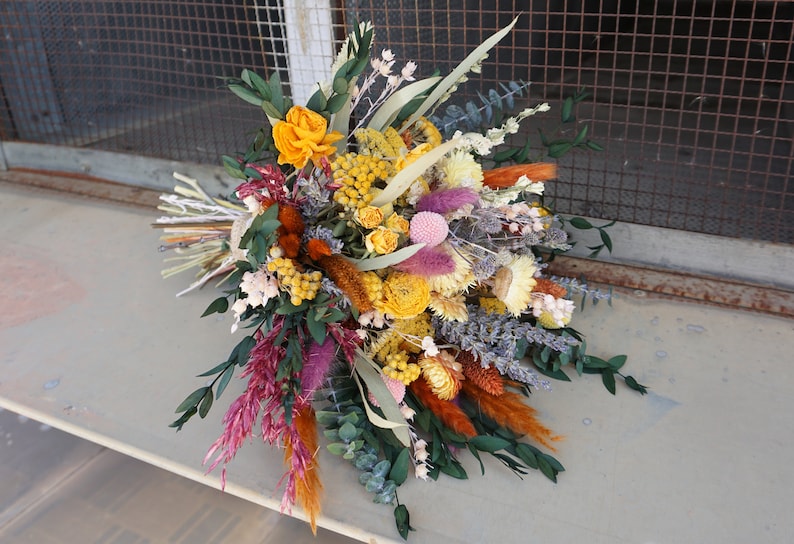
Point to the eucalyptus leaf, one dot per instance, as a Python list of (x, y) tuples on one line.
[(489, 444), (389, 110), (206, 403), (454, 77), (192, 399), (224, 381), (246, 94), (608, 377)]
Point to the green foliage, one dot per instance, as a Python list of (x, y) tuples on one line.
[(580, 223), (200, 401), (492, 110), (558, 147), (383, 466)]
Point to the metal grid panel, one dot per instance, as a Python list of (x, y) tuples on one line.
[(139, 77), (693, 100)]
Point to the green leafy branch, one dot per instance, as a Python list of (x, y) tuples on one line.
[(580, 223), (479, 117), (354, 438), (559, 147), (200, 401), (550, 363)]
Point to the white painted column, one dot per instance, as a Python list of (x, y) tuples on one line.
[(310, 46)]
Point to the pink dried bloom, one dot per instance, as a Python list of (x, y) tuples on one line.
[(447, 200), (395, 387), (428, 261), (272, 182), (262, 391), (317, 363), (429, 228)]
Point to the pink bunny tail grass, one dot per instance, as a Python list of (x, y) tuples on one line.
[(428, 261), (447, 200), (317, 363)]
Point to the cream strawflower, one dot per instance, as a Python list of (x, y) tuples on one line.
[(461, 170), (449, 308), (456, 282), (514, 282)]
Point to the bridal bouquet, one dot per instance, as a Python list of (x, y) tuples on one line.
[(385, 287)]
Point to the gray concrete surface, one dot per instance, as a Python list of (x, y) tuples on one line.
[(60, 489)]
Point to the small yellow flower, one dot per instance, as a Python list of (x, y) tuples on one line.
[(302, 136), (493, 305), (398, 223), (368, 217), (547, 321), (405, 295), (381, 241), (411, 156)]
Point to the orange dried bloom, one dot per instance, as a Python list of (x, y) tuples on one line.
[(348, 278), (486, 378), (509, 410), (506, 176), (308, 486), (291, 244), (317, 249), (448, 412), (548, 287)]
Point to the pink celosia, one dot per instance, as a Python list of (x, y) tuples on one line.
[(428, 228), (262, 391), (447, 200), (272, 181), (428, 261)]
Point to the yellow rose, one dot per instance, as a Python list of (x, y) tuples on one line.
[(405, 295), (398, 223), (368, 217), (381, 240), (302, 136)]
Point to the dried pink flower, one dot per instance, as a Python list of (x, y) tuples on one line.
[(428, 261), (429, 228), (447, 200)]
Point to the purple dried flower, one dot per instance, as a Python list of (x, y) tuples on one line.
[(428, 261), (447, 200), (317, 363)]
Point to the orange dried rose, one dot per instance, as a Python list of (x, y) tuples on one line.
[(302, 136)]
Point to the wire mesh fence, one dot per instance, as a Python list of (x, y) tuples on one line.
[(692, 100)]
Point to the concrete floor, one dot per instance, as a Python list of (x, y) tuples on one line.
[(92, 342), (60, 489)]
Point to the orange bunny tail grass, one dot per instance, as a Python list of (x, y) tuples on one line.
[(510, 411), (548, 287), (486, 378), (506, 176), (448, 412), (348, 278), (308, 486)]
